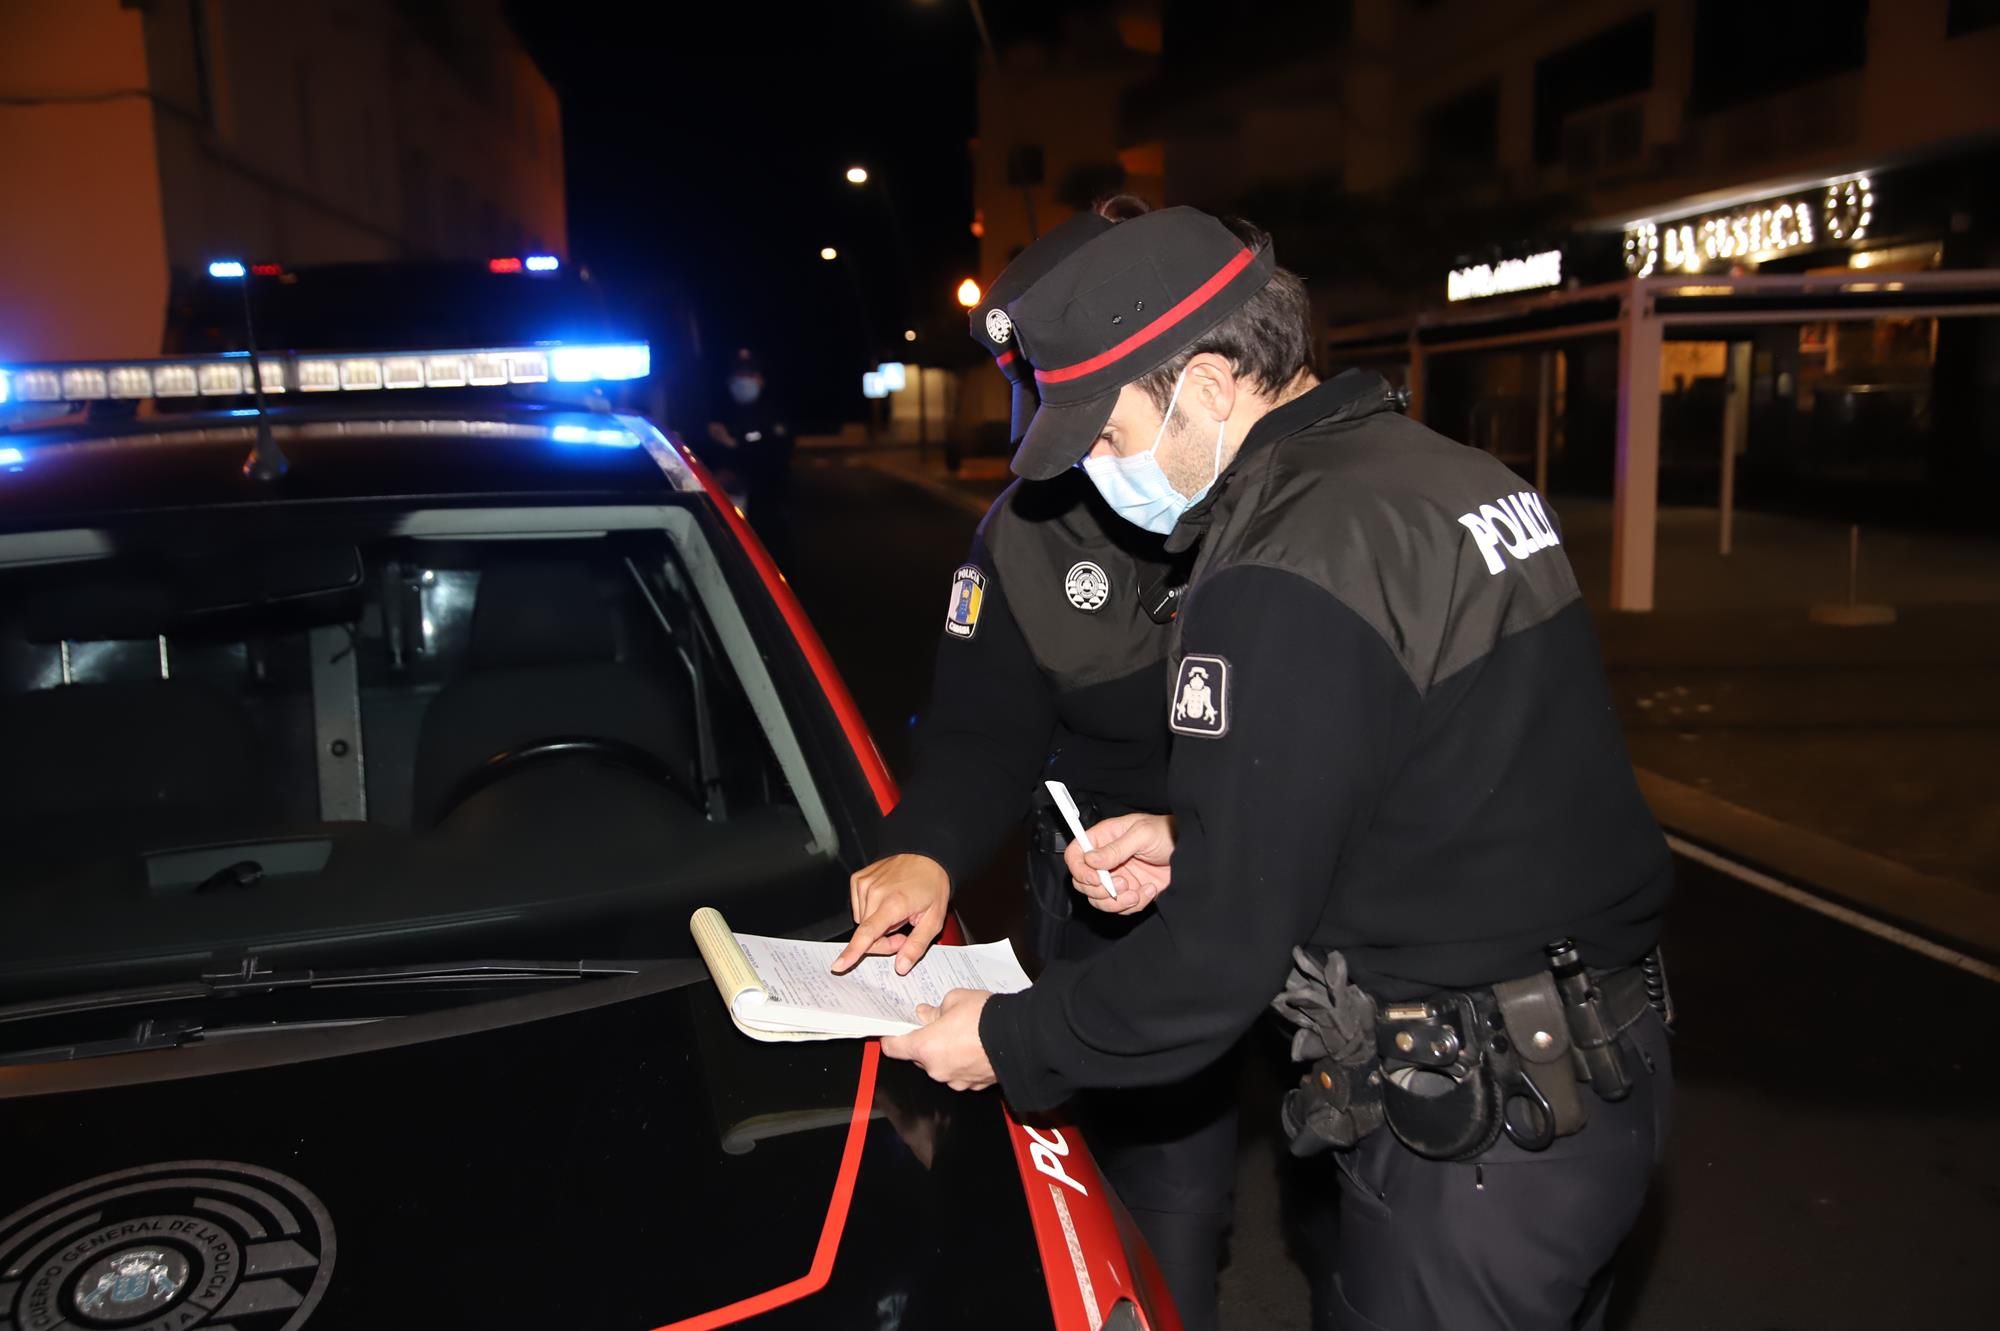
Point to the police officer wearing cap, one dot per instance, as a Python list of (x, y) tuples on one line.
[(751, 445), (1402, 809), (1051, 663)]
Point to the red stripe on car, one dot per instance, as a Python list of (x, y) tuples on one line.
[(823, 668), (821, 1270), (1089, 1246)]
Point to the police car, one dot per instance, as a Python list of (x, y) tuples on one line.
[(371, 732)]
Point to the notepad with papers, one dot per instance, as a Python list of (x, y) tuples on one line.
[(785, 989)]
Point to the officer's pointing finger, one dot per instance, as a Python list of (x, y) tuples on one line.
[(866, 934)]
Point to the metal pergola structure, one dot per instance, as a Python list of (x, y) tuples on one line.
[(1644, 313)]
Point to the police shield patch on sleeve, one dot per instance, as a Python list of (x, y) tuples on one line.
[(1201, 698), (968, 589)]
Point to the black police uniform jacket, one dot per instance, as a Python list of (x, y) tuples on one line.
[(1393, 736), (1049, 666)]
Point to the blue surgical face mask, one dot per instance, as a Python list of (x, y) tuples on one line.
[(1137, 487), (744, 390)]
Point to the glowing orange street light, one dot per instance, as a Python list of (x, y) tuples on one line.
[(968, 293), (857, 175), (829, 254)]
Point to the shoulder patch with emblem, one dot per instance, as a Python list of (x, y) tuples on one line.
[(1200, 703), (1087, 586), (968, 589)]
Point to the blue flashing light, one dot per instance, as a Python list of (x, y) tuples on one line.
[(4, 386), (584, 434), (12, 457), (543, 263), (577, 365), (227, 268)]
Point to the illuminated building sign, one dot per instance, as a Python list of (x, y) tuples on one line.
[(1838, 212), (1485, 279)]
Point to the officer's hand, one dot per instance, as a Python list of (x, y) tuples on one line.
[(948, 1047), (1135, 848), (720, 434), (888, 894)]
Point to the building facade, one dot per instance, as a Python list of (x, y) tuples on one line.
[(1050, 122), (148, 139), (1420, 159)]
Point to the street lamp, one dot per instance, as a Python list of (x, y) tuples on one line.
[(857, 175), (968, 293), (909, 334), (829, 253)]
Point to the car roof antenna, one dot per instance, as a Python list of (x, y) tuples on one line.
[(267, 462)]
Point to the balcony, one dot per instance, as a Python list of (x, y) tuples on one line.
[(1801, 123)]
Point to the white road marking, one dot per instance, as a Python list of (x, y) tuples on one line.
[(1834, 911)]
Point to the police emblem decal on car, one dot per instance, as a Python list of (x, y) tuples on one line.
[(1201, 698), (998, 326), (1086, 586), (968, 589), (179, 1244)]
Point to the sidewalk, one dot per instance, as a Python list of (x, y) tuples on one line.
[(1864, 762), (973, 489)]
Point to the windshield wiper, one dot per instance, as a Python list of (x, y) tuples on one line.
[(252, 978), (169, 1034), (148, 1034)]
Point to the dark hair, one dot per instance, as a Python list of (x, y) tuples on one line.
[(1267, 339), (1121, 207)]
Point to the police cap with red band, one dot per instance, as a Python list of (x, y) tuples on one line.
[(994, 330), (1117, 309)]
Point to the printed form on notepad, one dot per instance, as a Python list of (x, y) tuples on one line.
[(799, 974)]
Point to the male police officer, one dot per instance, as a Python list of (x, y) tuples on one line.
[(1395, 752), (1051, 664)]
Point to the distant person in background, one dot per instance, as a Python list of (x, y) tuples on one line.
[(751, 446)]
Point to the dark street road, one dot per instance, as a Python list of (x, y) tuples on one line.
[(1833, 1161)]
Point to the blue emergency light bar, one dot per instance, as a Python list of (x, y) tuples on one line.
[(229, 374)]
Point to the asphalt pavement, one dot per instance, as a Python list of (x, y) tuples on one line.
[(1834, 1160)]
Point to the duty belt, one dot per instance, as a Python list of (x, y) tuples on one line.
[(1452, 1071)]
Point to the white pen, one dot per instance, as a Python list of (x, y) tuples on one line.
[(1060, 793)]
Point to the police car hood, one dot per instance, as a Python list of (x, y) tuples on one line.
[(612, 1155)]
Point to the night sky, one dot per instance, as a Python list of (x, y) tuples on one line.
[(706, 154)]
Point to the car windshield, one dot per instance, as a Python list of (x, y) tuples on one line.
[(417, 735)]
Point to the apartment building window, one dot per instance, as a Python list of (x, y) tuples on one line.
[(1743, 52), (1613, 65), (204, 62), (420, 227), (1963, 16), (1464, 131), (1024, 165), (302, 92)]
